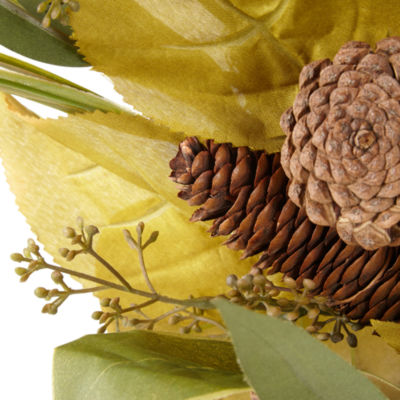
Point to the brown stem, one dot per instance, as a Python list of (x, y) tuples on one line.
[(138, 247), (203, 303), (110, 268)]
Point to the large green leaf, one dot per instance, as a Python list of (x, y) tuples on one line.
[(144, 365), (216, 68), (21, 31), (282, 361)]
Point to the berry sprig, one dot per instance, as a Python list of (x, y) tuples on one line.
[(254, 291), (56, 10), (258, 292), (191, 310)]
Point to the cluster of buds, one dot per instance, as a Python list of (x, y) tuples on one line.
[(258, 292), (30, 255), (105, 318), (56, 10), (192, 321), (60, 295), (83, 238)]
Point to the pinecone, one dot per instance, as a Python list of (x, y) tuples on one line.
[(245, 193), (342, 152)]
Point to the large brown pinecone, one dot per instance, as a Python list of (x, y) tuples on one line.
[(342, 152), (245, 193)]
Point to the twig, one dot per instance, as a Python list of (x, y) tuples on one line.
[(109, 267), (138, 247)]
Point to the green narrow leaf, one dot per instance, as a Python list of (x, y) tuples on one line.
[(282, 361), (54, 94), (22, 32), (145, 365), (13, 64)]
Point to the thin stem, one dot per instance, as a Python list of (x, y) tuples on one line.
[(110, 268), (167, 314), (139, 306), (87, 290), (138, 247), (203, 303), (144, 270), (205, 319)]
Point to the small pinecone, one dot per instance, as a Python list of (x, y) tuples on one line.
[(245, 193), (342, 152)]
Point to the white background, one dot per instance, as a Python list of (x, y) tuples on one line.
[(28, 337)]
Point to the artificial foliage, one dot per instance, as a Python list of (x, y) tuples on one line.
[(218, 70)]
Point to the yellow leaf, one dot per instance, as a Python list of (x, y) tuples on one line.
[(375, 358), (220, 69), (389, 332), (95, 166)]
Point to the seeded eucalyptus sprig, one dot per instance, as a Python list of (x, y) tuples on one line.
[(254, 291), (56, 10), (190, 310), (258, 292)]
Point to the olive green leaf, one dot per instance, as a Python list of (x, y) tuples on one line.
[(282, 361), (145, 365), (17, 65), (52, 93), (221, 69), (21, 31)]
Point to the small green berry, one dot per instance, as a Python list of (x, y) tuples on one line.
[(245, 282), (96, 315), (274, 311), (32, 246), (337, 337), (104, 317), (105, 301), (274, 292), (292, 316), (41, 292), (259, 280), (114, 303), (323, 336), (53, 309), (352, 340), (57, 277), (184, 329), (289, 282), (71, 255), (231, 280), (17, 257), (91, 230), (20, 271), (63, 252), (311, 329), (309, 284), (69, 232), (313, 313)]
